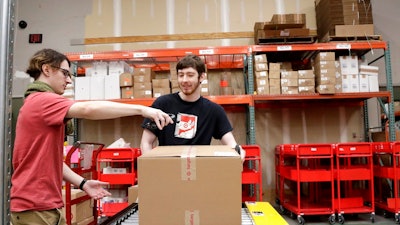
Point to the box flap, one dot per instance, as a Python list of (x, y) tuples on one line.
[(192, 151)]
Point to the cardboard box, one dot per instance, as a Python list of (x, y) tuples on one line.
[(290, 90), (306, 73), (289, 74), (125, 80), (261, 74), (274, 90), (355, 30), (97, 87), (326, 89), (157, 92), (182, 185), (260, 58), (142, 93), (160, 83), (127, 92), (80, 211), (82, 88), (133, 194), (112, 87)]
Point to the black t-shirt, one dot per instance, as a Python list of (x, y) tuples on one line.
[(195, 122)]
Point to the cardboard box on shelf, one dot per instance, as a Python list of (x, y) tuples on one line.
[(290, 90), (356, 30), (125, 80), (160, 83), (179, 184), (157, 92), (127, 92)]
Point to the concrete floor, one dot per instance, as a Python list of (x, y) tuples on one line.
[(357, 219)]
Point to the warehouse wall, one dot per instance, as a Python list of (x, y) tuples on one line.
[(65, 24)]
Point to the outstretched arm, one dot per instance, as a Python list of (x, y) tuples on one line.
[(100, 110)]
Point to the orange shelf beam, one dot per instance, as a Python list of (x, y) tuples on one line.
[(221, 100), (338, 96), (359, 45)]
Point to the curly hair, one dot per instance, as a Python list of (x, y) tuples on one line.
[(45, 56)]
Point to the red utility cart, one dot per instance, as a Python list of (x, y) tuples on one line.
[(355, 179), (305, 179), (387, 177), (117, 166)]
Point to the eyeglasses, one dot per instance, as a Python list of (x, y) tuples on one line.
[(64, 71)]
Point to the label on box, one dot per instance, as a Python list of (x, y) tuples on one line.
[(188, 164), (192, 217)]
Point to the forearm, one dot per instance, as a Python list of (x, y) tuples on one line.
[(99, 110), (70, 176)]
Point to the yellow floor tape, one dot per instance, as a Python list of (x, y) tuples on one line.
[(263, 214)]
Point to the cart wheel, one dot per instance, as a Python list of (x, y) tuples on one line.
[(282, 210), (301, 220), (277, 201), (397, 218), (332, 219), (341, 219), (372, 217), (385, 214)]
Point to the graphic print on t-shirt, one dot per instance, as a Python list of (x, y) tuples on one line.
[(186, 126)]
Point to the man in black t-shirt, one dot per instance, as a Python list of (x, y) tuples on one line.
[(197, 119)]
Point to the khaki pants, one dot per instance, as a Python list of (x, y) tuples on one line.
[(49, 217)]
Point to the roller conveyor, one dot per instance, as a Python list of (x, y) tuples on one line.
[(255, 213)]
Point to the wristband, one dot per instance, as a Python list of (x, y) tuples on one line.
[(82, 183)]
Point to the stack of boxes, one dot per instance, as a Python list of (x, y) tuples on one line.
[(142, 78), (261, 74), (101, 81), (371, 74), (126, 85), (161, 86), (325, 68), (281, 25), (289, 82), (350, 74), (306, 81), (343, 18), (274, 78)]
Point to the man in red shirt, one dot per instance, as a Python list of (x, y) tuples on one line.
[(38, 167)]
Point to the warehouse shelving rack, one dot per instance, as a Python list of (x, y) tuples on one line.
[(355, 179), (387, 177), (238, 57), (308, 171), (242, 57)]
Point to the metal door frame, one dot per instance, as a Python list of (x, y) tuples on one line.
[(7, 17)]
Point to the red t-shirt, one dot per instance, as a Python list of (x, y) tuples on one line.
[(38, 153)]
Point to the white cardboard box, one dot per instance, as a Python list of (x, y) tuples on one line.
[(111, 87), (82, 88), (96, 88)]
